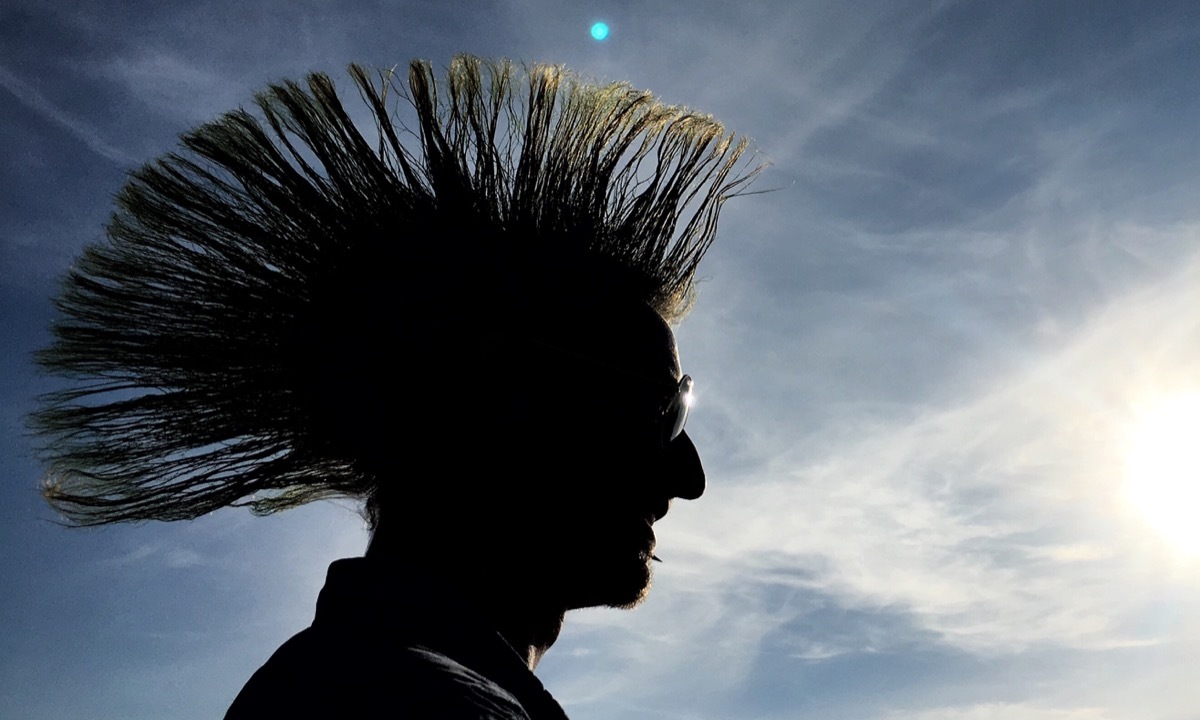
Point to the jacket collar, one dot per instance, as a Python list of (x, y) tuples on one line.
[(414, 611)]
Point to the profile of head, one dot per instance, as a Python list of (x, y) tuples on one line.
[(461, 319)]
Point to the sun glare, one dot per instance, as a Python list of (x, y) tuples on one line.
[(1163, 470)]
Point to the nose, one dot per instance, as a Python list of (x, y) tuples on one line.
[(685, 472)]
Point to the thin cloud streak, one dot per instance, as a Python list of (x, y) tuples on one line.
[(171, 86), (1003, 711), (78, 129)]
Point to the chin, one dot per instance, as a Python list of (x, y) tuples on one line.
[(617, 585), (632, 599)]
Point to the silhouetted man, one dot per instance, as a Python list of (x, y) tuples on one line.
[(471, 336)]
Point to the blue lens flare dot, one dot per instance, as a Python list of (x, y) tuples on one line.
[(599, 30)]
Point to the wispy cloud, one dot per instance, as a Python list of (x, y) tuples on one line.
[(79, 129), (1003, 711), (176, 88), (998, 522)]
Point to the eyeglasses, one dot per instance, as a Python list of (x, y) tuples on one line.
[(656, 414), (674, 416), (673, 413)]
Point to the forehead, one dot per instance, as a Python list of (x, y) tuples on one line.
[(628, 335)]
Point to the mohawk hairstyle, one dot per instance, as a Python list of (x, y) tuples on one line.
[(277, 250)]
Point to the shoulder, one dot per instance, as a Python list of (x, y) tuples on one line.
[(442, 682), (319, 674)]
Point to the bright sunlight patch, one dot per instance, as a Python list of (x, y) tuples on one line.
[(1164, 470)]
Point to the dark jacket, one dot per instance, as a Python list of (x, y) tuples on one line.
[(377, 651)]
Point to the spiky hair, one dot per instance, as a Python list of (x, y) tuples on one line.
[(279, 244)]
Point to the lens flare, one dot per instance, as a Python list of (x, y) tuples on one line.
[(599, 31), (1163, 470)]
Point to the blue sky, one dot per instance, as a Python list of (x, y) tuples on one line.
[(921, 362)]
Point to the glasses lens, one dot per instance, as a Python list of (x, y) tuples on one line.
[(675, 416)]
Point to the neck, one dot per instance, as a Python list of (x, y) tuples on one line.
[(514, 609), (531, 635)]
